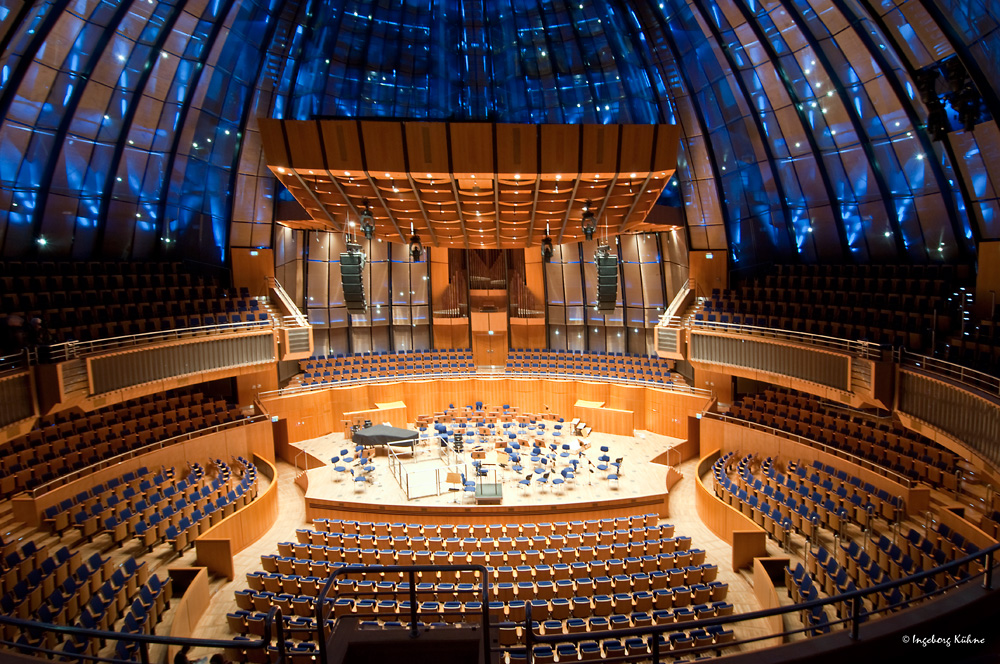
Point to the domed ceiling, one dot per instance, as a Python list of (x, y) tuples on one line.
[(833, 130)]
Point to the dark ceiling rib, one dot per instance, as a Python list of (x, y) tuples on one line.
[(258, 90), (737, 73), (918, 126), (128, 119), (793, 97), (665, 29), (192, 88), (971, 208), (885, 193), (965, 55), (97, 55)]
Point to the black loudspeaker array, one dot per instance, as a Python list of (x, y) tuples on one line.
[(607, 280), (352, 264), (459, 443)]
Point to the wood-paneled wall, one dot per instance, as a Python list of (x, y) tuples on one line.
[(317, 413), (729, 436), (216, 547)]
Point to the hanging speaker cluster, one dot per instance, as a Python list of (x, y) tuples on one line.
[(352, 264), (607, 278)]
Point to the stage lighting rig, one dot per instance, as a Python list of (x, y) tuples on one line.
[(367, 222), (589, 223), (547, 249), (416, 248)]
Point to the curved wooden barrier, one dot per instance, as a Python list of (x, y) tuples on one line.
[(748, 540), (216, 547), (437, 514), (191, 583), (768, 576)]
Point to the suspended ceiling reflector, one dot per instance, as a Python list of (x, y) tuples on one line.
[(468, 184)]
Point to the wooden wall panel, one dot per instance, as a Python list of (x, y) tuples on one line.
[(306, 145), (476, 154), (313, 414), (272, 136), (517, 149), (384, 147), (342, 144), (637, 149), (768, 576), (599, 152), (560, 149), (427, 148)]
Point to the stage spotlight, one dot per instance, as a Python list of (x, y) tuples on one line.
[(367, 222), (589, 223), (416, 249), (547, 249)]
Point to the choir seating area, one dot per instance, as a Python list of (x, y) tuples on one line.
[(897, 305), (577, 576), (625, 367), (620, 367), (341, 368), (99, 300), (882, 441), (72, 440)]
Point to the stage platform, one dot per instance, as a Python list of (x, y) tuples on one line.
[(641, 487)]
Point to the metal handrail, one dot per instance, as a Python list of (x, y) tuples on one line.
[(829, 449), (15, 362), (854, 597), (298, 389), (273, 624), (864, 349), (410, 570), (296, 315), (957, 373), (68, 350), (51, 485)]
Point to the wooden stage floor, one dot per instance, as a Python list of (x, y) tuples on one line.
[(639, 475)]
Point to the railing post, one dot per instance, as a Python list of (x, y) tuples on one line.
[(414, 633), (654, 647), (988, 576), (527, 632), (855, 616), (144, 652), (280, 635)]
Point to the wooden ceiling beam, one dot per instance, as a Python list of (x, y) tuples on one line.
[(635, 201), (423, 211)]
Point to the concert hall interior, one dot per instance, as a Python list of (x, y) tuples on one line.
[(499, 331)]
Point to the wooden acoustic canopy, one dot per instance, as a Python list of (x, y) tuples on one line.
[(467, 184)]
